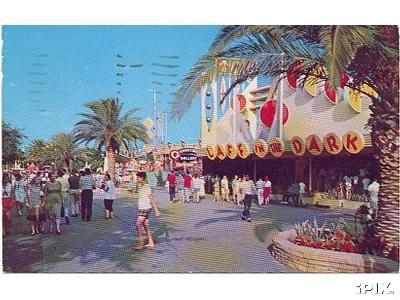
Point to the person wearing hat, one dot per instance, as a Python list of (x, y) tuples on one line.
[(146, 204)]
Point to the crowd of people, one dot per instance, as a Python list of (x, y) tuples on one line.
[(48, 197), (185, 187)]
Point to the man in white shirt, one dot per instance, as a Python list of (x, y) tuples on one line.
[(365, 182), (146, 203), (260, 191), (373, 189), (249, 192), (302, 191)]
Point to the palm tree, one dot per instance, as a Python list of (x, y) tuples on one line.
[(107, 127), (93, 157), (369, 54), (40, 151), (65, 149)]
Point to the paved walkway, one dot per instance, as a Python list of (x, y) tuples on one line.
[(205, 237)]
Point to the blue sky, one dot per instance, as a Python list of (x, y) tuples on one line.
[(51, 71)]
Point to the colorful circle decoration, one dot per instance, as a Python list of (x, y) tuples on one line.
[(242, 150), (310, 86), (369, 90), (260, 148), (276, 147), (230, 151), (297, 146), (210, 152), (242, 102), (293, 74), (353, 97), (220, 152), (330, 92), (332, 143), (174, 154), (314, 145), (345, 78), (353, 142), (148, 123), (267, 113)]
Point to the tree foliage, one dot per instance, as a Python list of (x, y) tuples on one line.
[(12, 139)]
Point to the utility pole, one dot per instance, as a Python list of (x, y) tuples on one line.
[(154, 117)]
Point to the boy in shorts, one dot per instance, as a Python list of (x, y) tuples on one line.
[(146, 203)]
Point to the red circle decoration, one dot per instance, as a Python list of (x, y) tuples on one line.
[(242, 102), (330, 93), (293, 74), (267, 113), (345, 78)]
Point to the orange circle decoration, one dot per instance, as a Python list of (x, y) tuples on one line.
[(210, 152), (220, 152), (230, 151), (297, 146), (330, 92), (242, 150), (353, 142), (242, 102), (260, 148), (276, 147), (314, 145), (333, 143), (268, 112)]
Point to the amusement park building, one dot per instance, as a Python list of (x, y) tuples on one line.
[(287, 132)]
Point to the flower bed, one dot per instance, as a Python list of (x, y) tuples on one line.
[(308, 259)]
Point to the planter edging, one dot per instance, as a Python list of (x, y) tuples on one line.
[(308, 259)]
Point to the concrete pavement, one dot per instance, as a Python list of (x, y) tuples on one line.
[(198, 238)]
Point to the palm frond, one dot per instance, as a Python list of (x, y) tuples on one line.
[(341, 44), (231, 33)]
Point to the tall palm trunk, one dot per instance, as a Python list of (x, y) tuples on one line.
[(111, 162), (384, 123)]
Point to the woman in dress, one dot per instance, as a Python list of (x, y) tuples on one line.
[(235, 189), (35, 205), (53, 202), (217, 189), (20, 193), (109, 196), (7, 203), (267, 190), (225, 188)]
